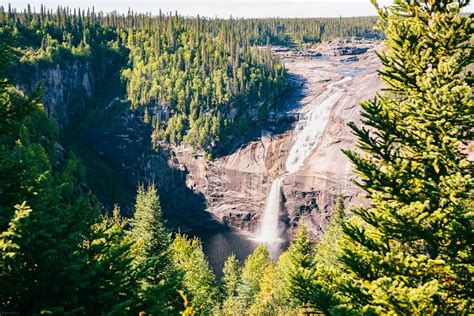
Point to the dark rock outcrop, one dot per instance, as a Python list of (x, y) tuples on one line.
[(68, 87)]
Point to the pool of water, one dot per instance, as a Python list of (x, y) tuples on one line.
[(218, 245)]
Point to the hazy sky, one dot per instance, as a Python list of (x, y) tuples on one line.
[(223, 8)]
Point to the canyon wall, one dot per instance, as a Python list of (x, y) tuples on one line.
[(230, 190), (236, 186), (68, 87)]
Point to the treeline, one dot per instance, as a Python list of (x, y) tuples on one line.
[(204, 82), (307, 31)]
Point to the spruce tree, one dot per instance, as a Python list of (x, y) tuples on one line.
[(231, 281), (199, 282), (410, 251), (252, 275), (152, 254), (148, 233), (109, 281), (327, 269), (232, 276), (298, 276)]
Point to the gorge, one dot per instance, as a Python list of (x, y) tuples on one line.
[(165, 164), (258, 192), (264, 189)]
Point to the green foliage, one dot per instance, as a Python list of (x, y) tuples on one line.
[(8, 246), (59, 258), (274, 297), (409, 251), (313, 273), (327, 273), (208, 83), (298, 275), (152, 254), (252, 274), (64, 257), (109, 281), (198, 280), (204, 81), (232, 274), (148, 232)]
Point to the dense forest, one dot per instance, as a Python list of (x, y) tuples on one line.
[(197, 79), (409, 252)]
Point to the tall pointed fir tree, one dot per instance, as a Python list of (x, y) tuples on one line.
[(231, 281), (199, 282), (152, 254), (313, 274), (252, 275), (410, 251), (298, 276), (232, 274)]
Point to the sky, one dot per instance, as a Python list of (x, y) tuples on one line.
[(222, 8)]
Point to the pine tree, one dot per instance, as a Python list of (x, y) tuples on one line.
[(232, 276), (264, 302), (9, 248), (410, 251), (148, 232), (109, 280), (199, 281), (151, 252), (231, 281), (252, 275), (298, 276), (324, 294)]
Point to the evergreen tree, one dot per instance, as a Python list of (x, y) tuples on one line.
[(298, 276), (410, 251), (264, 302), (8, 246), (109, 277), (198, 280), (232, 276), (57, 254), (151, 253), (231, 281), (252, 274), (327, 270)]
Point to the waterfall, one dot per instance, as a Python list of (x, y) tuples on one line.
[(269, 230), (310, 129), (312, 126)]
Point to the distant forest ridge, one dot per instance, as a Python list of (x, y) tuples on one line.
[(197, 81), (280, 31)]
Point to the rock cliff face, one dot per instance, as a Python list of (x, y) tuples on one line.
[(69, 87), (232, 190), (124, 145), (236, 186)]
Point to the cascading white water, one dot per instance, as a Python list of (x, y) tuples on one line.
[(269, 231), (311, 127)]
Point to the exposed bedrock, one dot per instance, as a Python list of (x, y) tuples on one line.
[(68, 87), (236, 186)]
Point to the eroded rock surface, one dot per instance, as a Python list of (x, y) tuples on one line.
[(236, 186)]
